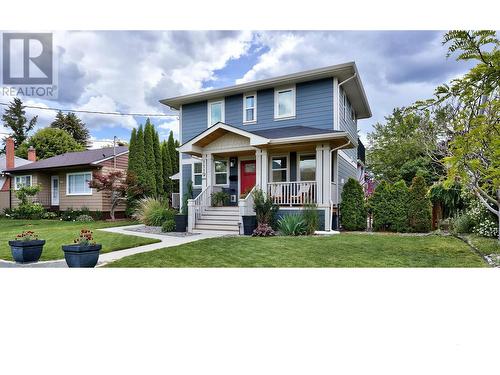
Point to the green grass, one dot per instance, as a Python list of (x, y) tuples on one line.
[(57, 233), (486, 246), (344, 250)]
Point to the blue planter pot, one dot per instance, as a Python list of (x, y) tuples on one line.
[(26, 251), (79, 256)]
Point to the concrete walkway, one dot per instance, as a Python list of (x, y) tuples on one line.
[(166, 241)]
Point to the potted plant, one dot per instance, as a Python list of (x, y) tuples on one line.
[(220, 198), (181, 219), (84, 252), (26, 247)]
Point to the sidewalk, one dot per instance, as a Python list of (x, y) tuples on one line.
[(166, 241)]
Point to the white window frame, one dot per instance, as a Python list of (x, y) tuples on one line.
[(299, 154), (276, 106), (73, 174), (209, 112), (245, 121), (271, 170), (16, 186), (200, 173), (216, 173)]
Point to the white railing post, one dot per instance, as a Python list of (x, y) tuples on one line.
[(191, 215)]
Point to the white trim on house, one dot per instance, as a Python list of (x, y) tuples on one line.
[(16, 187), (277, 91), (245, 121), (54, 198), (347, 158), (336, 104), (209, 111), (73, 174), (313, 137), (109, 157)]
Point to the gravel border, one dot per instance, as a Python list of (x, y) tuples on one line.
[(157, 230)]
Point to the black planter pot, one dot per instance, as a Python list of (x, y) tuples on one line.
[(181, 222), (79, 256), (249, 224), (26, 251)]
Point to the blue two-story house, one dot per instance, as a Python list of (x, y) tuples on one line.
[(294, 136)]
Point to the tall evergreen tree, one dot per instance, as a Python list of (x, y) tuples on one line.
[(14, 117), (73, 125), (353, 208), (149, 156), (158, 163), (167, 168), (173, 152), (420, 215), (132, 153), (140, 160)]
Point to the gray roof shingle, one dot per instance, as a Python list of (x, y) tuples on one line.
[(71, 159)]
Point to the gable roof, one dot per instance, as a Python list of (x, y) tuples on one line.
[(17, 162), (353, 87), (71, 159)]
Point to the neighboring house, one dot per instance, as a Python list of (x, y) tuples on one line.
[(294, 137), (8, 161), (64, 179)]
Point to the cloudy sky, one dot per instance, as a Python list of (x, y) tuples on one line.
[(131, 71)]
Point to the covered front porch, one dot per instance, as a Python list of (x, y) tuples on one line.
[(293, 171)]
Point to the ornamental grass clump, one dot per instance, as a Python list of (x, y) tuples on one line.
[(292, 225), (85, 238), (153, 212)]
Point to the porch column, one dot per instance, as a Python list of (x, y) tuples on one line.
[(327, 165), (319, 174), (207, 165), (264, 167), (258, 168)]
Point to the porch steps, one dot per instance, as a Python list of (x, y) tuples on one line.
[(219, 219)]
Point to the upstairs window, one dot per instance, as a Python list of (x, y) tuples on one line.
[(215, 112), (250, 108), (21, 181), (284, 103)]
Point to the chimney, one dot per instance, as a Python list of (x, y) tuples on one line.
[(9, 153), (31, 154)]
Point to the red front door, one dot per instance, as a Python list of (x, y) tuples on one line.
[(247, 175)]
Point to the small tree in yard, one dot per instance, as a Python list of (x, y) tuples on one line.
[(352, 208), (381, 208), (399, 206), (419, 213), (112, 183)]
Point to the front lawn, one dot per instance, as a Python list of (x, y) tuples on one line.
[(57, 233), (344, 250)]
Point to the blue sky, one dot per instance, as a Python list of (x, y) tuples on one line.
[(131, 71)]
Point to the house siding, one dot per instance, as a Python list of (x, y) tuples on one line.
[(121, 162), (93, 202), (314, 108), (346, 170), (347, 124)]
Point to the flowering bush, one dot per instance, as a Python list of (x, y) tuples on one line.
[(85, 238), (487, 228), (27, 235), (263, 230), (85, 218)]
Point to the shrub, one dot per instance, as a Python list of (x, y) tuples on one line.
[(153, 211), (220, 198), (352, 208), (263, 230), (399, 207), (26, 208), (311, 218), (292, 225), (420, 210), (462, 223), (85, 218), (49, 215), (487, 228), (265, 209), (380, 205), (168, 226)]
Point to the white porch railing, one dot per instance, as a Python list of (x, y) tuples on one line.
[(197, 205), (245, 206), (294, 193)]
